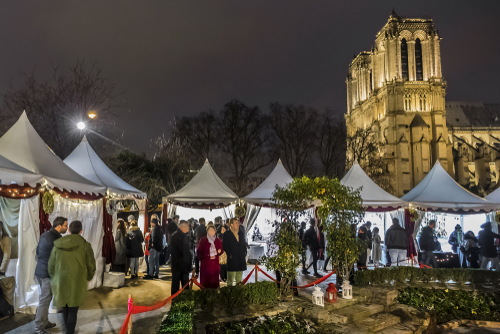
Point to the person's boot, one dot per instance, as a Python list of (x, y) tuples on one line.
[(318, 275), (156, 276), (50, 325), (148, 277), (304, 271)]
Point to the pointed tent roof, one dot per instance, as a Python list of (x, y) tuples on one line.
[(13, 173), (263, 194), (205, 189), (494, 196), (23, 146), (373, 196), (439, 192), (87, 163)]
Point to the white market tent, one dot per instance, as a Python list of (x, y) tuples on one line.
[(262, 195), (373, 196), (494, 197), (13, 173), (23, 146), (206, 189), (87, 163), (439, 192)]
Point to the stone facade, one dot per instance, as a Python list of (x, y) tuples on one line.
[(398, 87)]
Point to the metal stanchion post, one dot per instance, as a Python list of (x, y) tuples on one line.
[(256, 271)]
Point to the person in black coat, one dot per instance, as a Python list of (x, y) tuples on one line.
[(235, 246), (43, 250), (486, 239), (155, 247), (363, 257), (302, 231), (310, 239), (181, 257), (199, 232), (426, 244), (134, 248)]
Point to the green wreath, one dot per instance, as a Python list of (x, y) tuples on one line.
[(48, 202), (239, 211)]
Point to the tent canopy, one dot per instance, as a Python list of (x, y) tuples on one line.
[(263, 194), (439, 192), (13, 173), (205, 189), (23, 146), (373, 196), (494, 196), (87, 163)]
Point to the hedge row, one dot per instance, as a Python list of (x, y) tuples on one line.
[(404, 274), (180, 317)]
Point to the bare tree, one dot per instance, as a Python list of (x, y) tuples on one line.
[(168, 171), (295, 126), (363, 147), (56, 105), (198, 132), (245, 136), (331, 144)]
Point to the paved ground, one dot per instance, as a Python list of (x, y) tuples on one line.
[(472, 330), (105, 308)]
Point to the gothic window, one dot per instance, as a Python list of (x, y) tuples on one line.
[(404, 59), (407, 102), (418, 60), (371, 82)]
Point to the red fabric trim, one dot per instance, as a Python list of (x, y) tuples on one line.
[(78, 195), (15, 191), (379, 209), (202, 205), (44, 223), (108, 242)]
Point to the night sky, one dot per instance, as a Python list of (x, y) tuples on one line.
[(181, 57)]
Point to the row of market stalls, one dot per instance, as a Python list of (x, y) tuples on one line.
[(36, 186), (438, 196)]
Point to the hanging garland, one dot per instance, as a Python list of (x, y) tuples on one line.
[(111, 207), (239, 211), (48, 202), (413, 215), (497, 217)]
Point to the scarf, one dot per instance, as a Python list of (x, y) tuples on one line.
[(213, 250)]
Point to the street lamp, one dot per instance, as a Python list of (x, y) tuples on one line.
[(92, 114), (80, 125)]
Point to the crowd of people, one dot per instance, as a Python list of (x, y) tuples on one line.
[(214, 252)]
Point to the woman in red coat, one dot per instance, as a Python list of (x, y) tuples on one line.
[(208, 251)]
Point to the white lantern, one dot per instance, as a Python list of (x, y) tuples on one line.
[(346, 289), (318, 296)]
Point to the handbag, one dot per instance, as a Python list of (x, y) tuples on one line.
[(223, 259)]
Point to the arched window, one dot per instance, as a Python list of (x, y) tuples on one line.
[(404, 59), (418, 60)]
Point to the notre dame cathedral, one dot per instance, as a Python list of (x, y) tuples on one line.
[(399, 89)]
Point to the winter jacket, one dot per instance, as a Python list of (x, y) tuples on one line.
[(362, 235), (455, 240), (369, 235), (43, 250), (395, 237), (180, 252), (236, 250), (426, 241), (302, 231), (134, 242), (377, 248), (311, 239), (71, 266), (156, 239), (486, 239), (121, 248), (171, 228), (199, 232)]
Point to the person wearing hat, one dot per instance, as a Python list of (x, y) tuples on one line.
[(455, 240), (486, 239)]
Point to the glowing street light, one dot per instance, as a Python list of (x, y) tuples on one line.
[(92, 114), (80, 125)]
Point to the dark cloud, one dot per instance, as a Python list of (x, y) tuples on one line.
[(178, 58)]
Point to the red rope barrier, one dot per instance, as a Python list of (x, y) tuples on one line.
[(247, 278), (322, 279), (135, 309), (195, 281)]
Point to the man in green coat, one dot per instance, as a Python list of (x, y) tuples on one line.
[(71, 266)]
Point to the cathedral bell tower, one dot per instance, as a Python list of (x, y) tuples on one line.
[(398, 87)]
